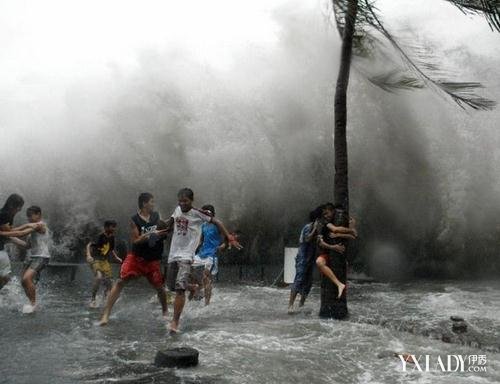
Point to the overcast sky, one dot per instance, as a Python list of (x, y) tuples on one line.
[(45, 46), (73, 38)]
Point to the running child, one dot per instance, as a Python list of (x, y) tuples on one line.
[(328, 242), (144, 259), (98, 254), (37, 256), (211, 244), (12, 206), (187, 222)]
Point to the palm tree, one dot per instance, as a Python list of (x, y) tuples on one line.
[(360, 28)]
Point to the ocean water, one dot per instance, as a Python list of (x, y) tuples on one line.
[(246, 335)]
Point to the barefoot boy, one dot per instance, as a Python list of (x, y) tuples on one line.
[(37, 257), (211, 244), (98, 253), (328, 242), (187, 222), (144, 260)]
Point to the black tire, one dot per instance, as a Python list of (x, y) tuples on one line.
[(459, 327), (177, 357)]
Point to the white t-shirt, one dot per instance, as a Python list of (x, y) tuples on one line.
[(187, 233), (39, 244)]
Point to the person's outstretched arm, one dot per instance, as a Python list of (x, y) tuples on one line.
[(24, 226), (334, 235), (341, 230), (116, 256), (19, 242), (169, 227), (135, 236), (222, 246), (42, 229), (230, 238), (16, 233)]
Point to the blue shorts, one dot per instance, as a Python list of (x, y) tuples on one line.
[(304, 266), (210, 263)]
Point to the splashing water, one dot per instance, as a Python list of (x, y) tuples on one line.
[(246, 336)]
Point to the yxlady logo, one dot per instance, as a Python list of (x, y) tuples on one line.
[(449, 363)]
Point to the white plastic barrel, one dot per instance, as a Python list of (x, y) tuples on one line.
[(289, 269)]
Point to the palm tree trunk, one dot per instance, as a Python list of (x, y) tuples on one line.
[(331, 306), (341, 189)]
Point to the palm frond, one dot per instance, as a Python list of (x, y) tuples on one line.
[(464, 94), (430, 74), (422, 68), (490, 9), (395, 80)]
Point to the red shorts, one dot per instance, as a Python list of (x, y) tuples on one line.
[(135, 266)]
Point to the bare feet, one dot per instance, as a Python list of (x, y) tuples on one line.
[(104, 321), (173, 327), (93, 304), (340, 288), (29, 308)]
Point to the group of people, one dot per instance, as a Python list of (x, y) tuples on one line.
[(197, 237), (319, 238), (190, 227), (36, 243)]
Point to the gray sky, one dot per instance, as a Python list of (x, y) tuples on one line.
[(439, 21), (58, 41), (47, 46)]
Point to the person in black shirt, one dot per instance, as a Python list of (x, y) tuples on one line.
[(98, 253), (12, 206), (329, 240), (144, 260)]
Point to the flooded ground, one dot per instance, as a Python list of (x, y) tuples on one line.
[(246, 336)]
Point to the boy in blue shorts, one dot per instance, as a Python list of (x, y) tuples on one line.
[(211, 243)]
